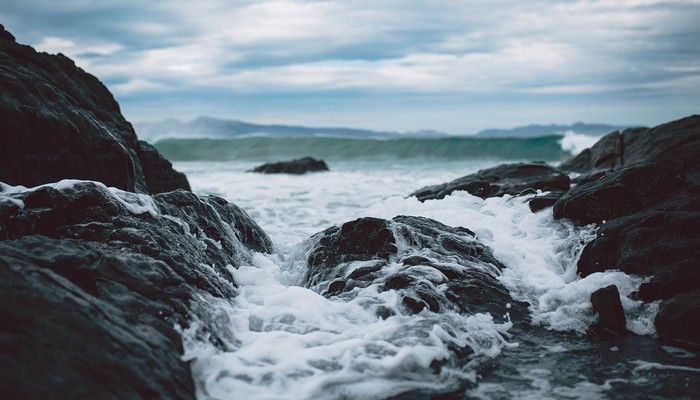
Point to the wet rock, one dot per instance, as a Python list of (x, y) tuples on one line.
[(676, 140), (500, 180), (678, 320), (158, 172), (93, 282), (434, 267), (59, 122), (642, 187), (611, 323), (299, 166), (619, 193)]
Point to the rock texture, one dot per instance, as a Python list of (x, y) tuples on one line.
[(440, 268), (59, 122), (611, 317), (299, 166), (500, 180), (94, 280), (642, 187)]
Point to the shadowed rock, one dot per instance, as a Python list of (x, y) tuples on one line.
[(611, 323), (299, 166), (643, 188), (93, 282), (59, 122)]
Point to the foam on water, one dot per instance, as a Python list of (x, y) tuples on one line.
[(291, 342)]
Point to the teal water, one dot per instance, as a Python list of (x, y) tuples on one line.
[(264, 148)]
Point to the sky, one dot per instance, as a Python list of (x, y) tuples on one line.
[(455, 66)]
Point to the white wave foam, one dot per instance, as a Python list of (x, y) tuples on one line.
[(575, 143), (293, 343)]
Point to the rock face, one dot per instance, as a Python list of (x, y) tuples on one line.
[(440, 268), (59, 122), (643, 188), (299, 166), (503, 179), (94, 280)]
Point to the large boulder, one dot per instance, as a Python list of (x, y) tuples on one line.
[(59, 122), (94, 283), (642, 187), (671, 141), (500, 180)]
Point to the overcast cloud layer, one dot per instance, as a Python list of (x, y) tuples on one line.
[(455, 66)]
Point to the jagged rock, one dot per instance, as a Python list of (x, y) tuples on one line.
[(500, 180), (677, 140), (643, 187), (94, 280), (59, 122), (298, 166), (611, 323), (442, 268)]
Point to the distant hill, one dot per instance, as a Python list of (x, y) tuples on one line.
[(549, 130), (219, 128)]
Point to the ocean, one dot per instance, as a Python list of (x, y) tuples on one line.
[(290, 342)]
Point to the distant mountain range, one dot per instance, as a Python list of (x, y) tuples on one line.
[(550, 130), (218, 128), (207, 127)]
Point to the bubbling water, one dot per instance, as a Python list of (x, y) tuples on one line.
[(288, 341)]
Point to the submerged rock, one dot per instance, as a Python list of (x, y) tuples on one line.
[(298, 166), (93, 282), (432, 266), (59, 122), (500, 180)]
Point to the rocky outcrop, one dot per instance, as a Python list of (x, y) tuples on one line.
[(642, 187), (298, 166), (611, 323), (59, 122), (440, 268), (503, 179), (94, 281)]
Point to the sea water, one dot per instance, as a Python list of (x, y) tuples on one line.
[(289, 342)]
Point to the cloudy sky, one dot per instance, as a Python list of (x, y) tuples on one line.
[(456, 66)]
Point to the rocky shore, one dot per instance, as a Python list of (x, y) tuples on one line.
[(112, 257)]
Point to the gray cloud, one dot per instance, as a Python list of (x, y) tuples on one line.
[(381, 58)]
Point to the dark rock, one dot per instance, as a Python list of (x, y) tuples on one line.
[(59, 122), (611, 323), (620, 192), (644, 185), (93, 282), (500, 180), (540, 202), (674, 141), (158, 172), (678, 320), (676, 277), (442, 268), (298, 166)]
